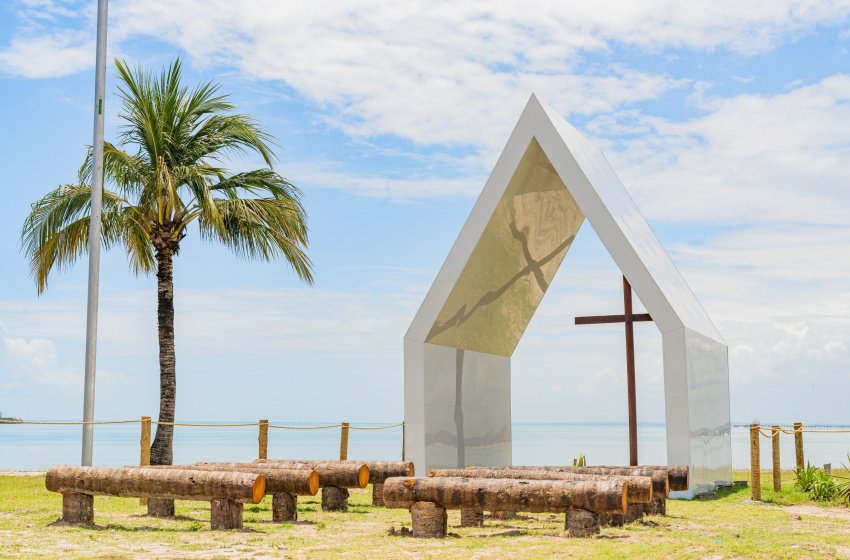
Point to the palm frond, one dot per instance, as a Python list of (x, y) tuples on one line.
[(264, 229), (56, 232)]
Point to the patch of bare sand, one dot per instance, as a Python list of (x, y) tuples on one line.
[(23, 473), (834, 512)]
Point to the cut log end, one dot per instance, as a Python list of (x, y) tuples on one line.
[(410, 469), (258, 492), (314, 483), (429, 520), (625, 497), (363, 476)]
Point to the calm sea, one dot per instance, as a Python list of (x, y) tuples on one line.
[(37, 447)]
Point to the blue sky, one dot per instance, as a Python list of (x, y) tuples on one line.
[(726, 122)]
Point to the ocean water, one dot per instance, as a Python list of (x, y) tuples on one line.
[(38, 447)]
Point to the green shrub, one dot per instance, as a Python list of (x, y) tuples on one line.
[(817, 484), (844, 486)]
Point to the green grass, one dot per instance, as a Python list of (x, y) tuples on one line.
[(785, 525)]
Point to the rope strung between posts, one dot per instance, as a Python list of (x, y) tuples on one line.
[(377, 427), (200, 425), (769, 434), (306, 427), (68, 423)]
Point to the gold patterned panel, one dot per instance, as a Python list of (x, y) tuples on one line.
[(513, 263)]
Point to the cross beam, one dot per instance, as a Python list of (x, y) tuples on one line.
[(629, 319)]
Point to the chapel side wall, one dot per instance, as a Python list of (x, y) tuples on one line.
[(708, 400), (414, 403), (478, 431), (676, 403)]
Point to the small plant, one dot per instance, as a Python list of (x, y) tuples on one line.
[(844, 487), (817, 484), (580, 462)]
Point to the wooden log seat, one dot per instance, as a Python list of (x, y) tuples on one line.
[(496, 494), (379, 471), (660, 485), (677, 475), (335, 477), (283, 484), (640, 487), (226, 491)]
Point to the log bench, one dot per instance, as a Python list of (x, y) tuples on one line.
[(226, 491), (380, 471), (335, 478), (640, 488), (667, 478), (580, 500), (283, 484)]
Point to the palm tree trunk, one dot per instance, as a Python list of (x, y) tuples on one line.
[(162, 450)]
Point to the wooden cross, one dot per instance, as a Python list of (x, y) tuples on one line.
[(629, 319)]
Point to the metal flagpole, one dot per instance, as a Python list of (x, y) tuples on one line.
[(94, 233)]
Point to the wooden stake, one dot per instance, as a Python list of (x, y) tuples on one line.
[(284, 507), (403, 437), (798, 444), (755, 463), (334, 499), (343, 442), (777, 473), (78, 508), (145, 449), (471, 517), (225, 515), (429, 520), (581, 523), (264, 439), (378, 494)]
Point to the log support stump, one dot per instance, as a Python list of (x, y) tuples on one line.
[(334, 499), (225, 515), (634, 512), (581, 523), (658, 506), (612, 519), (502, 514), (378, 494), (471, 517), (78, 508), (429, 520), (284, 507), (160, 507)]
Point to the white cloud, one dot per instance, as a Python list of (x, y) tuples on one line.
[(47, 56), (749, 159), (35, 359)]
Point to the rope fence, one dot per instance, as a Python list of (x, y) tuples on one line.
[(772, 434), (263, 425)]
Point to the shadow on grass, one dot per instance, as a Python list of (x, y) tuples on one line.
[(195, 527)]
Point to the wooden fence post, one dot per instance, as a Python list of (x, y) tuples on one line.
[(798, 444), (343, 442), (264, 439), (145, 449), (777, 473), (755, 462)]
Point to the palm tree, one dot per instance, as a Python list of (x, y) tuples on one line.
[(165, 174)]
